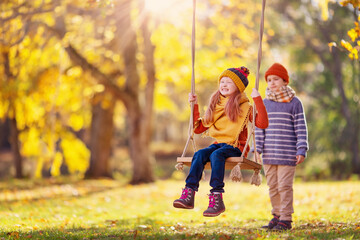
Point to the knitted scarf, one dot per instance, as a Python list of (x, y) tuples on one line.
[(222, 128), (286, 94)]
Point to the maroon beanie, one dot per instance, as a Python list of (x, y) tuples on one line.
[(278, 70)]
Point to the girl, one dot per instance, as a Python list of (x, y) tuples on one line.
[(225, 120)]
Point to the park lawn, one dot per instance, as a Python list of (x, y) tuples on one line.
[(109, 209)]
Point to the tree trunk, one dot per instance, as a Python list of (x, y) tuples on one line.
[(14, 132), (102, 128), (139, 150), (138, 134), (14, 140), (150, 73), (352, 130), (125, 43), (355, 150), (5, 135)]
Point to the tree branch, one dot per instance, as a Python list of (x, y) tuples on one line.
[(59, 31), (333, 65), (39, 10)]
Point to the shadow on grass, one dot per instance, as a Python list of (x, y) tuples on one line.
[(50, 189), (147, 228)]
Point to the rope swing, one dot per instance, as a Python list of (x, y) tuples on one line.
[(234, 163)]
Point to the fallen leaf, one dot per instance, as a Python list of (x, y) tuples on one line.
[(13, 234)]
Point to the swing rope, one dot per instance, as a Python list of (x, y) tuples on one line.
[(235, 174), (180, 166), (261, 33)]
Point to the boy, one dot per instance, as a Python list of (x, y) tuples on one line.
[(283, 144)]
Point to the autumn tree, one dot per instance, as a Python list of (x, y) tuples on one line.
[(324, 76), (38, 94), (120, 40)]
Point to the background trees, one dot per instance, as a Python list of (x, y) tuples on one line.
[(82, 79), (328, 78)]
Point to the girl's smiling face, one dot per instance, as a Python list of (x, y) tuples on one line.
[(275, 83), (227, 86)]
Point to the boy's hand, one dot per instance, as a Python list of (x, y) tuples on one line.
[(192, 98), (300, 159), (255, 93), (258, 156)]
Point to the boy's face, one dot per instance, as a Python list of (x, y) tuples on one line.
[(275, 83), (227, 86)]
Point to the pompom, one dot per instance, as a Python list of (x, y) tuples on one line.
[(245, 70)]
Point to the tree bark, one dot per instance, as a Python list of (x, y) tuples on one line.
[(14, 140), (125, 43), (14, 132), (138, 133), (352, 130), (149, 49), (102, 128)]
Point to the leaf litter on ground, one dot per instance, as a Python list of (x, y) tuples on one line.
[(100, 209)]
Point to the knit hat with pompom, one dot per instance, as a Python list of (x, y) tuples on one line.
[(238, 75)]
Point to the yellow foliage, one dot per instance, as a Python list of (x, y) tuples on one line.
[(30, 142), (353, 51), (74, 72), (163, 102), (28, 111), (355, 3), (4, 108), (98, 88), (55, 167), (49, 138), (76, 154), (47, 83), (107, 102), (346, 45), (271, 32), (354, 33), (353, 54), (76, 121), (324, 9), (109, 34), (39, 167)]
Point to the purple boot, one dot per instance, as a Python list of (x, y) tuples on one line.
[(186, 200), (216, 205)]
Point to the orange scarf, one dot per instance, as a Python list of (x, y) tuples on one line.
[(222, 128), (286, 94)]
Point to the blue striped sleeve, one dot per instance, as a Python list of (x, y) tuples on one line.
[(301, 132), (259, 139)]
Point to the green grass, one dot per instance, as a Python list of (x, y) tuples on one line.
[(106, 209)]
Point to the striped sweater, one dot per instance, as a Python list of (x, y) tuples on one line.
[(286, 136)]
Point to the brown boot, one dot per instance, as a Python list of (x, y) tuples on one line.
[(216, 205), (273, 222), (282, 226), (186, 200)]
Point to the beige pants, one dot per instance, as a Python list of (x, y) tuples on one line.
[(280, 179)]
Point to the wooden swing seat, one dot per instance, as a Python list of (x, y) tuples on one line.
[(229, 164)]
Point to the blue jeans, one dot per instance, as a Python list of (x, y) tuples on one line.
[(216, 154)]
